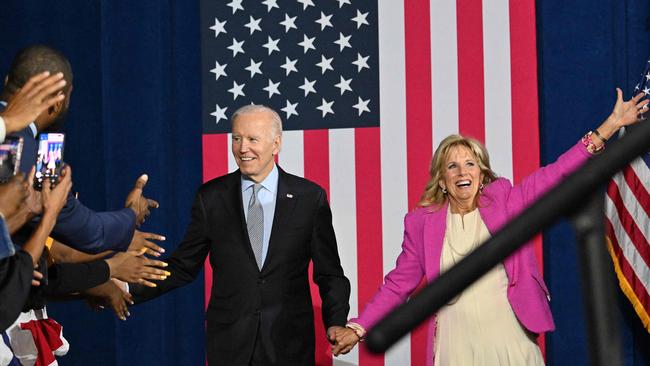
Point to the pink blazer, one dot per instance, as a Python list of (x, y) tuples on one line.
[(424, 232)]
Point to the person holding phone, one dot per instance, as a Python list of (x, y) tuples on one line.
[(77, 225)]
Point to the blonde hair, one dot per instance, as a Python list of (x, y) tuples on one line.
[(433, 195)]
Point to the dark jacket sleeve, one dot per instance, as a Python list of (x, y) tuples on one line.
[(16, 273), (67, 278), (333, 286), (88, 231), (186, 261)]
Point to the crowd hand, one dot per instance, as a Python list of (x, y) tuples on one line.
[(110, 294), (55, 198), (628, 112), (134, 267), (37, 277), (142, 240), (343, 341), (138, 203), (12, 195), (39, 93)]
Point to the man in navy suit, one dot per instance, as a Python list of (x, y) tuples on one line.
[(261, 228)]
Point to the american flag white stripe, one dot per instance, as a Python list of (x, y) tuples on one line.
[(343, 204), (444, 70), (291, 157), (498, 107), (392, 94)]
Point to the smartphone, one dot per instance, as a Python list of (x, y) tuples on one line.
[(10, 150), (49, 161)]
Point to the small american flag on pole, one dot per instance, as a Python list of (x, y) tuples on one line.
[(367, 90), (627, 209)]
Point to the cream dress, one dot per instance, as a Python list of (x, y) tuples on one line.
[(479, 327)]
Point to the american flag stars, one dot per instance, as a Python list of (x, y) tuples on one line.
[(297, 57)]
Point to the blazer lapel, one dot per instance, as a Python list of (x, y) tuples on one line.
[(435, 225), (285, 202)]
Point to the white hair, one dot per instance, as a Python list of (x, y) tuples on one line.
[(254, 108)]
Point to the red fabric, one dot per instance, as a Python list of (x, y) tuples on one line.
[(47, 338)]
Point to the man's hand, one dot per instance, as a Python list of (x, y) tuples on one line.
[(55, 198), (141, 240), (138, 203), (344, 340), (112, 295), (39, 93), (12, 195), (133, 267)]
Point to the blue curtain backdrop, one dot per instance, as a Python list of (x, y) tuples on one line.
[(585, 50), (136, 108)]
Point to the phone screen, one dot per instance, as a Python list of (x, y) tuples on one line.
[(49, 159), (10, 151)]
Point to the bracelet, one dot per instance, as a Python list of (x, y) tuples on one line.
[(589, 144), (358, 330), (604, 140)]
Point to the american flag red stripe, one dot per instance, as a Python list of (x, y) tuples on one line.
[(446, 66), (368, 215), (418, 123), (471, 97)]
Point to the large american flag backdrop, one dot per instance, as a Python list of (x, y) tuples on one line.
[(366, 90), (627, 210)]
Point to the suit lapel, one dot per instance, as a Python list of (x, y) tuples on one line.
[(285, 202), (235, 208)]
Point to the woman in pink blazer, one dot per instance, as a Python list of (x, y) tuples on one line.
[(461, 184)]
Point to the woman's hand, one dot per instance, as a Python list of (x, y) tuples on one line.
[(134, 267), (624, 113), (627, 113)]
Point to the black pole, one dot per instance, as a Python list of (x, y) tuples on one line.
[(598, 285), (561, 200)]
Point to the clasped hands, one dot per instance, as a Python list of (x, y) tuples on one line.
[(342, 339)]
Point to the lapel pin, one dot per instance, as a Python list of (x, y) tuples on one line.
[(289, 195)]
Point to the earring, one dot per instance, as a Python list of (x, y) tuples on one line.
[(480, 188), (444, 190)]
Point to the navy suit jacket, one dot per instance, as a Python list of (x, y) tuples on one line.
[(274, 301)]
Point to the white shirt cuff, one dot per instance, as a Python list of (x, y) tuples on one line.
[(3, 129)]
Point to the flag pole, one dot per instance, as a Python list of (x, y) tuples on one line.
[(565, 199)]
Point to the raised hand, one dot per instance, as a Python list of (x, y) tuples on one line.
[(38, 94), (138, 203), (141, 240), (628, 112), (134, 267)]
